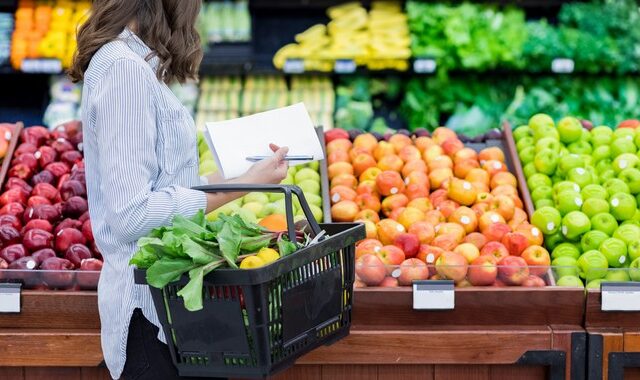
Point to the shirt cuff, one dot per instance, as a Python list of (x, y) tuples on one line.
[(190, 201)]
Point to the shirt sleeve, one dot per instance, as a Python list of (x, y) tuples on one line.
[(126, 130)]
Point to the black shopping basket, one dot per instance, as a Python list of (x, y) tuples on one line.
[(257, 322)]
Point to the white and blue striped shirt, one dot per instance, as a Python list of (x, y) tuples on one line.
[(141, 159)]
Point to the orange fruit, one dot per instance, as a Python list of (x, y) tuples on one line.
[(275, 223)]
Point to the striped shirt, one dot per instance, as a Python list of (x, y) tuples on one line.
[(141, 159)]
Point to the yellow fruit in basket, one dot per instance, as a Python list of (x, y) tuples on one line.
[(251, 262), (268, 255)]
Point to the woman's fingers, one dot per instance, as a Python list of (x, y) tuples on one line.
[(274, 147)]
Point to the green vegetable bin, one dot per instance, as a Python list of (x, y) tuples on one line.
[(257, 322)]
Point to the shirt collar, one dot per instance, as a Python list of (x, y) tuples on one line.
[(139, 47)]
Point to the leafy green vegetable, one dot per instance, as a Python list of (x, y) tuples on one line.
[(199, 247)]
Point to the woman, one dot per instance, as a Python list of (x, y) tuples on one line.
[(141, 159)]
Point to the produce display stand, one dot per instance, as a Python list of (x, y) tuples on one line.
[(614, 341)]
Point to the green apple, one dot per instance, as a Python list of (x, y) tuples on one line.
[(558, 177), (592, 240), (317, 213), (580, 176), (600, 153), (604, 222), (306, 174), (570, 282), (257, 208), (565, 266), (560, 187), (619, 275), (624, 133), (247, 215), (604, 165), (527, 155), (207, 167), (227, 209), (553, 240), (580, 147), (546, 161), (314, 165), (633, 250), (586, 136), (541, 120), (207, 156), (592, 265), (606, 175), (615, 186), (313, 199), (310, 186), (256, 197), (538, 180), (564, 151), (628, 233), (547, 219), (634, 270), (288, 180), (525, 142), (625, 161), (522, 131), (292, 170), (570, 129), (636, 138), (275, 197), (622, 206), (602, 130), (594, 191), (542, 192), (544, 203), (543, 132), (575, 224), (568, 201), (548, 143), (621, 146), (567, 249), (615, 250), (631, 176), (601, 139), (571, 161), (594, 284), (529, 169), (594, 206)]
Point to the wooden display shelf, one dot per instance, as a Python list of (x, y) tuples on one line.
[(613, 341)]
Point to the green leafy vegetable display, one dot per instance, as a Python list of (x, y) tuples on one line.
[(197, 247)]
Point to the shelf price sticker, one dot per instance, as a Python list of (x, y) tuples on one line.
[(620, 296), (425, 66), (563, 65), (293, 66), (344, 66), (41, 66), (433, 295), (10, 298)]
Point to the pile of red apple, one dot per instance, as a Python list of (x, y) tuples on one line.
[(44, 221), (433, 209)]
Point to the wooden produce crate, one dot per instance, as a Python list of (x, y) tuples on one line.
[(613, 341)]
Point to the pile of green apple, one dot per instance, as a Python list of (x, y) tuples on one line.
[(255, 206), (585, 185)]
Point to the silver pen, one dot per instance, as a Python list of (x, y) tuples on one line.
[(286, 158)]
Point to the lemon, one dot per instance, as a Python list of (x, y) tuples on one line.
[(268, 255), (251, 262)]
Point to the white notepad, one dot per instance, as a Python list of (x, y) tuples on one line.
[(232, 141)]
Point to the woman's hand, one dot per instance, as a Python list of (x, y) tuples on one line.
[(269, 171)]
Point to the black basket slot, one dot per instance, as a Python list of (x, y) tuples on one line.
[(318, 299)]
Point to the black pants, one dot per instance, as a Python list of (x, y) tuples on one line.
[(147, 357)]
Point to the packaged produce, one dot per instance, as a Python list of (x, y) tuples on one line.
[(65, 101), (225, 21), (584, 183), (6, 28)]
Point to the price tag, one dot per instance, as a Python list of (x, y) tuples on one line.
[(425, 66), (562, 65), (41, 66), (344, 66), (433, 295), (293, 66), (620, 296), (10, 298)]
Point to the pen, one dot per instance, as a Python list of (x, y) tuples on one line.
[(287, 158)]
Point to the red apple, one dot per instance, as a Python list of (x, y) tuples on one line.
[(538, 260), (515, 243), (513, 270), (534, 282), (408, 243), (370, 270), (411, 270), (389, 282), (452, 266), (483, 271), (495, 249), (391, 256)]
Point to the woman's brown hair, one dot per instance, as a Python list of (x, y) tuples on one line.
[(168, 27)]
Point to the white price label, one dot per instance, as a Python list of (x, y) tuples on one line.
[(293, 66), (344, 66), (41, 66), (425, 66), (620, 296), (562, 65), (433, 295), (10, 298)]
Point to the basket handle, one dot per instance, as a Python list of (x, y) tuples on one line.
[(287, 190)]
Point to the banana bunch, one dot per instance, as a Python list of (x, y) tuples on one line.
[(378, 39)]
